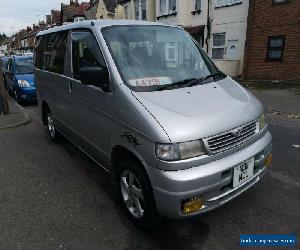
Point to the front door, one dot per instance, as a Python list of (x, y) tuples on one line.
[(91, 104)]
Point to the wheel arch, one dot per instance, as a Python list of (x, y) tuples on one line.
[(120, 152)]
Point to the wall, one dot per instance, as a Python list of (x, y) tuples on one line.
[(281, 19), (186, 18), (102, 13), (91, 12), (233, 21), (150, 10)]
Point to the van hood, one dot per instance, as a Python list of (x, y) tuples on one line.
[(201, 111), (28, 77)]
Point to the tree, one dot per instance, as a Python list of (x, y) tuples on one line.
[(3, 36), (3, 97)]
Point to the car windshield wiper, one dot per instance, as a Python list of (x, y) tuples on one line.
[(176, 84), (202, 79), (189, 82)]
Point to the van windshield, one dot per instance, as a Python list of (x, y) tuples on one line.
[(149, 57)]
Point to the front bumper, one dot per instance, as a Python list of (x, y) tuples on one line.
[(211, 181), (27, 94)]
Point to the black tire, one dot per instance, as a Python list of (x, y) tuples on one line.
[(150, 217), (52, 131)]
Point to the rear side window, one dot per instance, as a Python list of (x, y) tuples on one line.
[(50, 52), (38, 52), (85, 52)]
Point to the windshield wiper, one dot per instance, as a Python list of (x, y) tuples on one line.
[(189, 82), (202, 79), (174, 84)]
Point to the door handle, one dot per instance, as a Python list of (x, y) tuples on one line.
[(70, 87)]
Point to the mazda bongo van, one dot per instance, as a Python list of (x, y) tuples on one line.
[(146, 103)]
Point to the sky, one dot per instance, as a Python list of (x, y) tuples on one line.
[(17, 14)]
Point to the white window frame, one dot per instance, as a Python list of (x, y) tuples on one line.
[(219, 46), (167, 8), (126, 12), (224, 3), (195, 4)]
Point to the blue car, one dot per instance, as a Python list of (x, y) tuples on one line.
[(20, 78)]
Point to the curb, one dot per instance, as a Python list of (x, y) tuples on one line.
[(279, 113), (25, 121)]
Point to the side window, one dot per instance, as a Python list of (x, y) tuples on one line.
[(85, 52), (10, 65), (50, 52), (38, 52)]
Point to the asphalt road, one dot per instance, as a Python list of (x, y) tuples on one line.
[(53, 197)]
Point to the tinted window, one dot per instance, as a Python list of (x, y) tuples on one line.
[(85, 52), (38, 52), (50, 52), (9, 66)]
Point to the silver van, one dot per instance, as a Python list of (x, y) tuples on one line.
[(146, 103)]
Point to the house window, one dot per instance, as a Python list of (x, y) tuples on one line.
[(281, 1), (125, 11), (223, 3), (167, 6), (163, 6), (197, 4), (275, 48), (172, 6), (143, 14), (218, 46)]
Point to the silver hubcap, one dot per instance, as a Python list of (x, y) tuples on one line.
[(51, 127), (132, 194)]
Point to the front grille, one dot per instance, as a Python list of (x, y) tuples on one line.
[(231, 138)]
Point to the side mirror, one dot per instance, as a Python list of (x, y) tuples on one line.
[(97, 76)]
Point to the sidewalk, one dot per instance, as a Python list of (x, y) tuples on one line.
[(282, 97), (286, 101), (16, 117)]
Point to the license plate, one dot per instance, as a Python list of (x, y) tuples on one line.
[(243, 172)]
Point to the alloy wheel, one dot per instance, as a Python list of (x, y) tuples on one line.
[(132, 194), (51, 126)]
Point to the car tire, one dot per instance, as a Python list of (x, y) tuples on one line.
[(135, 194), (51, 128)]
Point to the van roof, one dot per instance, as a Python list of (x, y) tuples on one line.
[(98, 23)]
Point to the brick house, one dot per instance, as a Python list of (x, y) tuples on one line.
[(74, 11), (273, 49)]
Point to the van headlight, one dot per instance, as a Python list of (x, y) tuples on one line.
[(23, 83), (261, 122), (180, 151)]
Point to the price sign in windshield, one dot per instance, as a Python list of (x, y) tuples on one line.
[(150, 81)]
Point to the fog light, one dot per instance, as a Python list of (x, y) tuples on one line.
[(268, 160), (192, 205)]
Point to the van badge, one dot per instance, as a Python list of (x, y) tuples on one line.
[(237, 132), (130, 138)]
